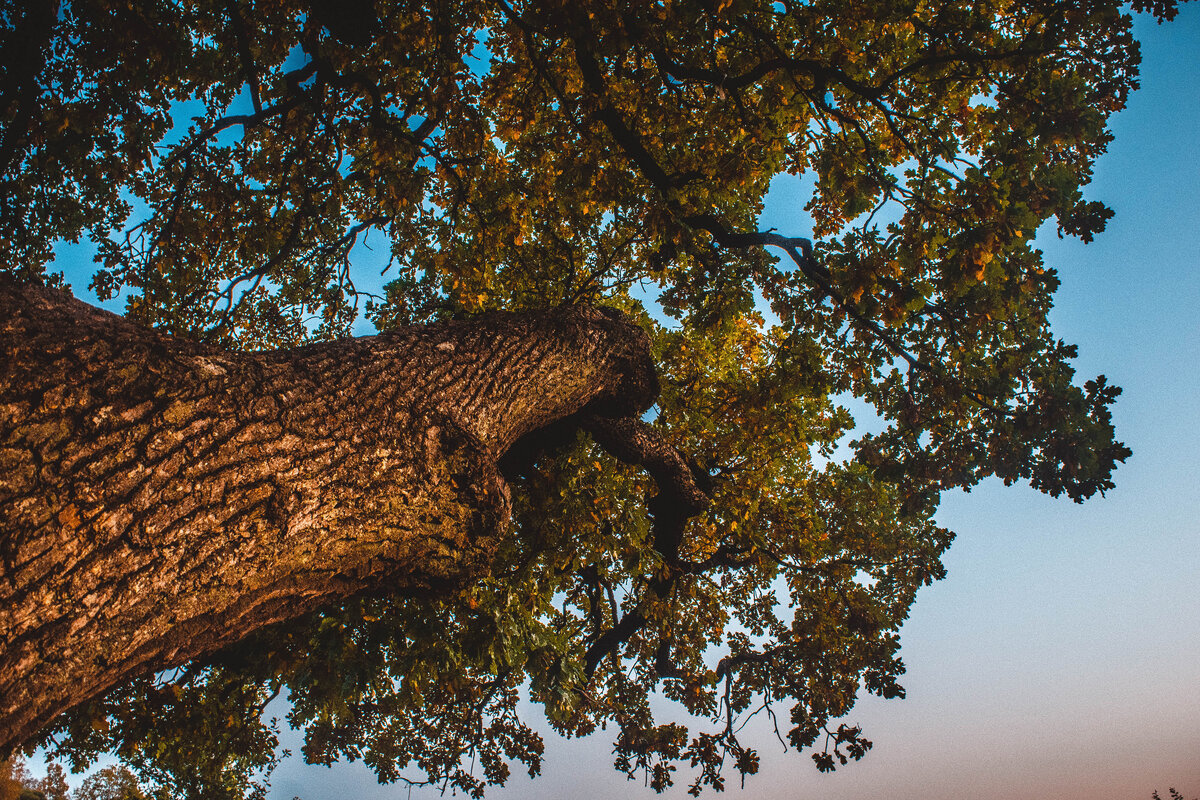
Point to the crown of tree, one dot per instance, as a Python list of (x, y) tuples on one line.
[(743, 545)]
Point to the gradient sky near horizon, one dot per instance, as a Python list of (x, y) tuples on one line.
[(1060, 658)]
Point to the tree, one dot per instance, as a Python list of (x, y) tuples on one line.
[(17, 784), (13, 777), (54, 785), (218, 498), (110, 783)]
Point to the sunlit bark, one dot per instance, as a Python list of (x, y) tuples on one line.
[(160, 499)]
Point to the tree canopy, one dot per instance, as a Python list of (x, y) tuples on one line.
[(230, 159)]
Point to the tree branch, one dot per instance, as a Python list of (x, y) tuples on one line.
[(683, 492)]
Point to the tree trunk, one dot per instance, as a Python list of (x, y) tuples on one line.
[(160, 499)]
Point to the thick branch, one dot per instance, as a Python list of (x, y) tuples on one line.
[(632, 441), (683, 492), (161, 499)]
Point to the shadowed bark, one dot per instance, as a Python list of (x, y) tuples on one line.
[(160, 499)]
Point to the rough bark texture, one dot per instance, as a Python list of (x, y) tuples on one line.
[(160, 500)]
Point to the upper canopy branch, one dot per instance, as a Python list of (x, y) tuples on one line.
[(799, 250), (665, 181)]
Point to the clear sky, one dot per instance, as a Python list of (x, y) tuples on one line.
[(1061, 656)]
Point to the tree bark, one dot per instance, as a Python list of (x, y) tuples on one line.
[(160, 499)]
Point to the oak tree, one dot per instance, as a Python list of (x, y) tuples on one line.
[(602, 446)]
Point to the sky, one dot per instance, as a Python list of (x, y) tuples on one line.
[(1060, 658)]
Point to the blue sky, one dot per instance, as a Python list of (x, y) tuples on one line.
[(1061, 656)]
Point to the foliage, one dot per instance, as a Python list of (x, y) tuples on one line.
[(16, 783), (13, 778), (185, 742), (228, 160), (110, 783)]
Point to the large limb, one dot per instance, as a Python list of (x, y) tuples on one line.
[(160, 500)]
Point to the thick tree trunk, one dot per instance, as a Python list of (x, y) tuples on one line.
[(160, 500)]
